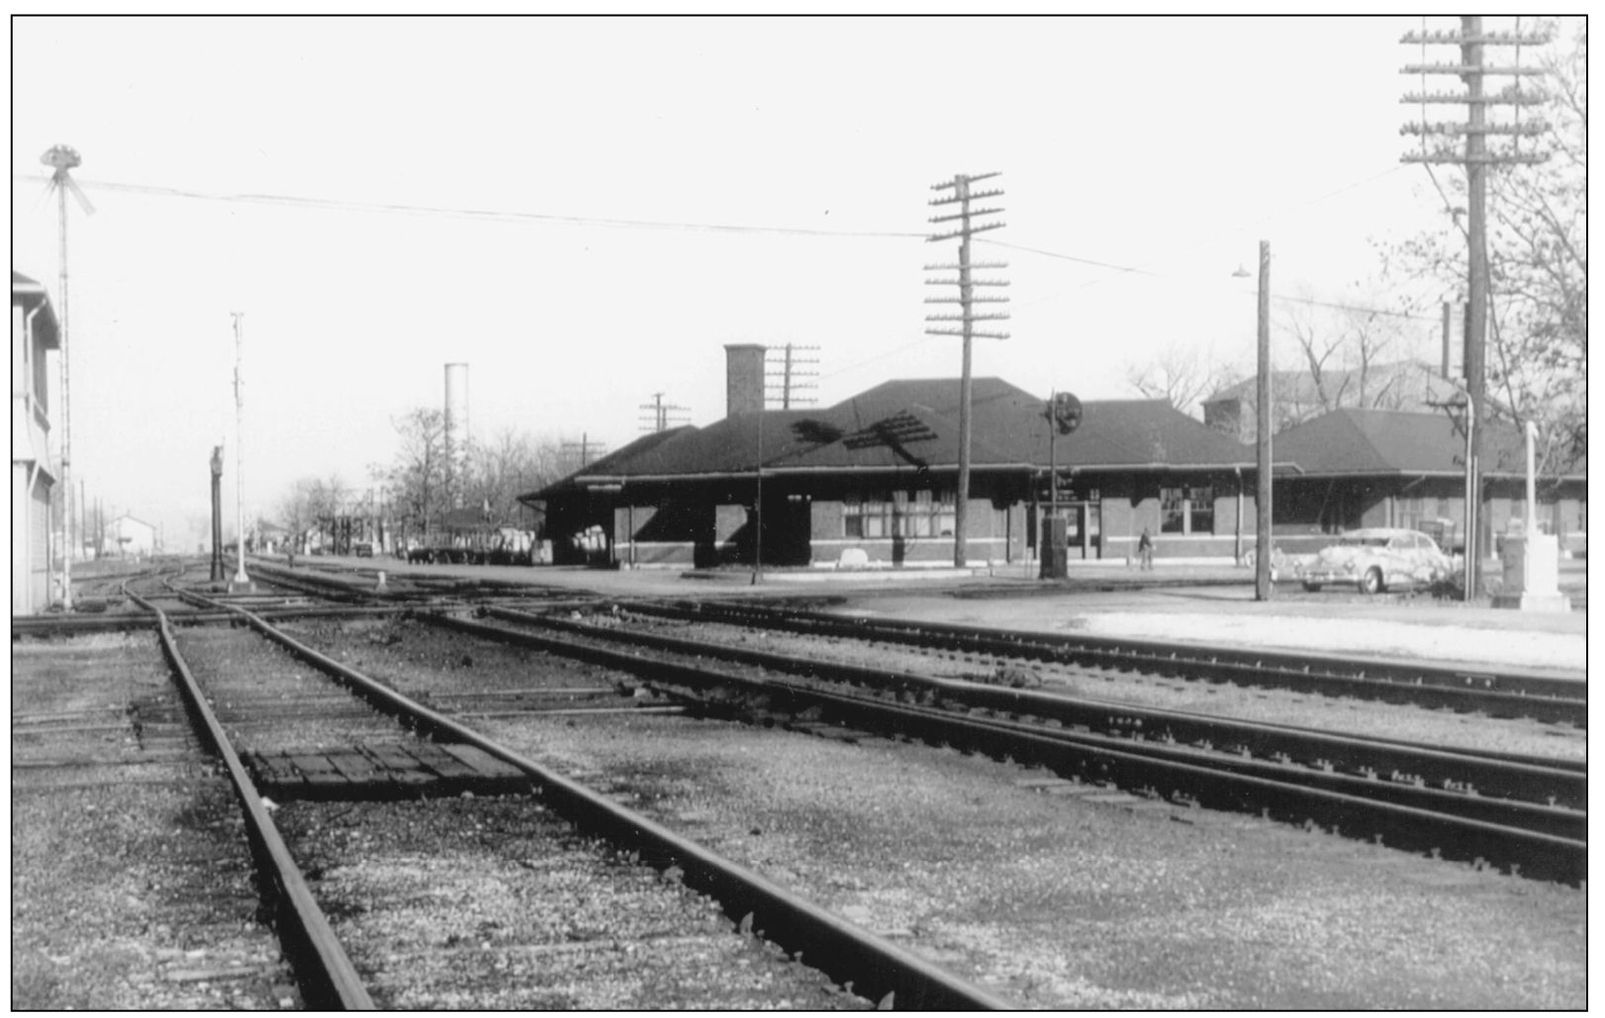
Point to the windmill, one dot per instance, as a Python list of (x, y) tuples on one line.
[(64, 158)]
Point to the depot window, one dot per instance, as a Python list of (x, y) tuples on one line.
[(1187, 509), (914, 513)]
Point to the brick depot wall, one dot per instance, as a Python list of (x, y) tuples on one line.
[(987, 526)]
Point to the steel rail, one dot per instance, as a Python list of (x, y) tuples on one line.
[(837, 947), (329, 979), (1517, 693), (1492, 777), (1131, 764)]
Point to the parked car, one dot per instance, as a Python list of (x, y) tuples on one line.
[(1375, 559)]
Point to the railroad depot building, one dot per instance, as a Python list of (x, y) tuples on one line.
[(34, 332), (873, 479)]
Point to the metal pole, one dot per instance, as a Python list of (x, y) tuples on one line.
[(1262, 494), (240, 578), (66, 405), (966, 291)]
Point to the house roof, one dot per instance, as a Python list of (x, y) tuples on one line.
[(1353, 441), (915, 423), (30, 294), (1401, 383)]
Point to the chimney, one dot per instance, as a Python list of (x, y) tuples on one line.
[(744, 377)]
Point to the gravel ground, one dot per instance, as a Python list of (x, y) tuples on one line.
[(1061, 902), (1052, 900), (131, 884), (494, 904), (1382, 720)]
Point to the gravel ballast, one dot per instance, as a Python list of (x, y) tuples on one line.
[(1084, 899), (131, 884)]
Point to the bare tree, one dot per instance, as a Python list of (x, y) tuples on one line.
[(417, 477), (1183, 374), (510, 465), (1538, 265)]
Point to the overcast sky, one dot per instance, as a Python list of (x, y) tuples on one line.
[(653, 190)]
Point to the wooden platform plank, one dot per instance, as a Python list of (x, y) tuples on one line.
[(322, 780), (399, 766), (275, 774), (481, 761), (356, 767), (442, 763)]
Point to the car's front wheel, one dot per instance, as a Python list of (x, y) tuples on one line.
[(1371, 582)]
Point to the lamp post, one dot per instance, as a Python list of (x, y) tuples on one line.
[(241, 581)]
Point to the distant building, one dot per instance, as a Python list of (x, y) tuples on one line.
[(127, 537), (34, 332), (1298, 396), (1382, 468)]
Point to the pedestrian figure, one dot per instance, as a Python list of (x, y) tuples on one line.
[(1145, 549)]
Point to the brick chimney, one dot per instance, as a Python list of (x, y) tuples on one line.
[(744, 378)]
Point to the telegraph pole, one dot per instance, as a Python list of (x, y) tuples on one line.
[(584, 447), (966, 318), (661, 411), (1262, 438), (1471, 39), (789, 368)]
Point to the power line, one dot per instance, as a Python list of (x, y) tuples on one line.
[(343, 205), (501, 215)]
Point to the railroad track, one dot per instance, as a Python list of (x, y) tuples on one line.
[(1498, 693), (875, 967), (1522, 812)]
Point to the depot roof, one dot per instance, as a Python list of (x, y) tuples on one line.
[(1349, 442), (915, 423)]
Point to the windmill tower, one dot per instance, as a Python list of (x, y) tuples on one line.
[(63, 158)]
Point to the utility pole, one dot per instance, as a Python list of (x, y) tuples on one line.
[(788, 363), (966, 228), (661, 411), (1471, 39), (583, 447), (1262, 437)]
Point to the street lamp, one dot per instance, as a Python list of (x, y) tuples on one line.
[(241, 581)]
